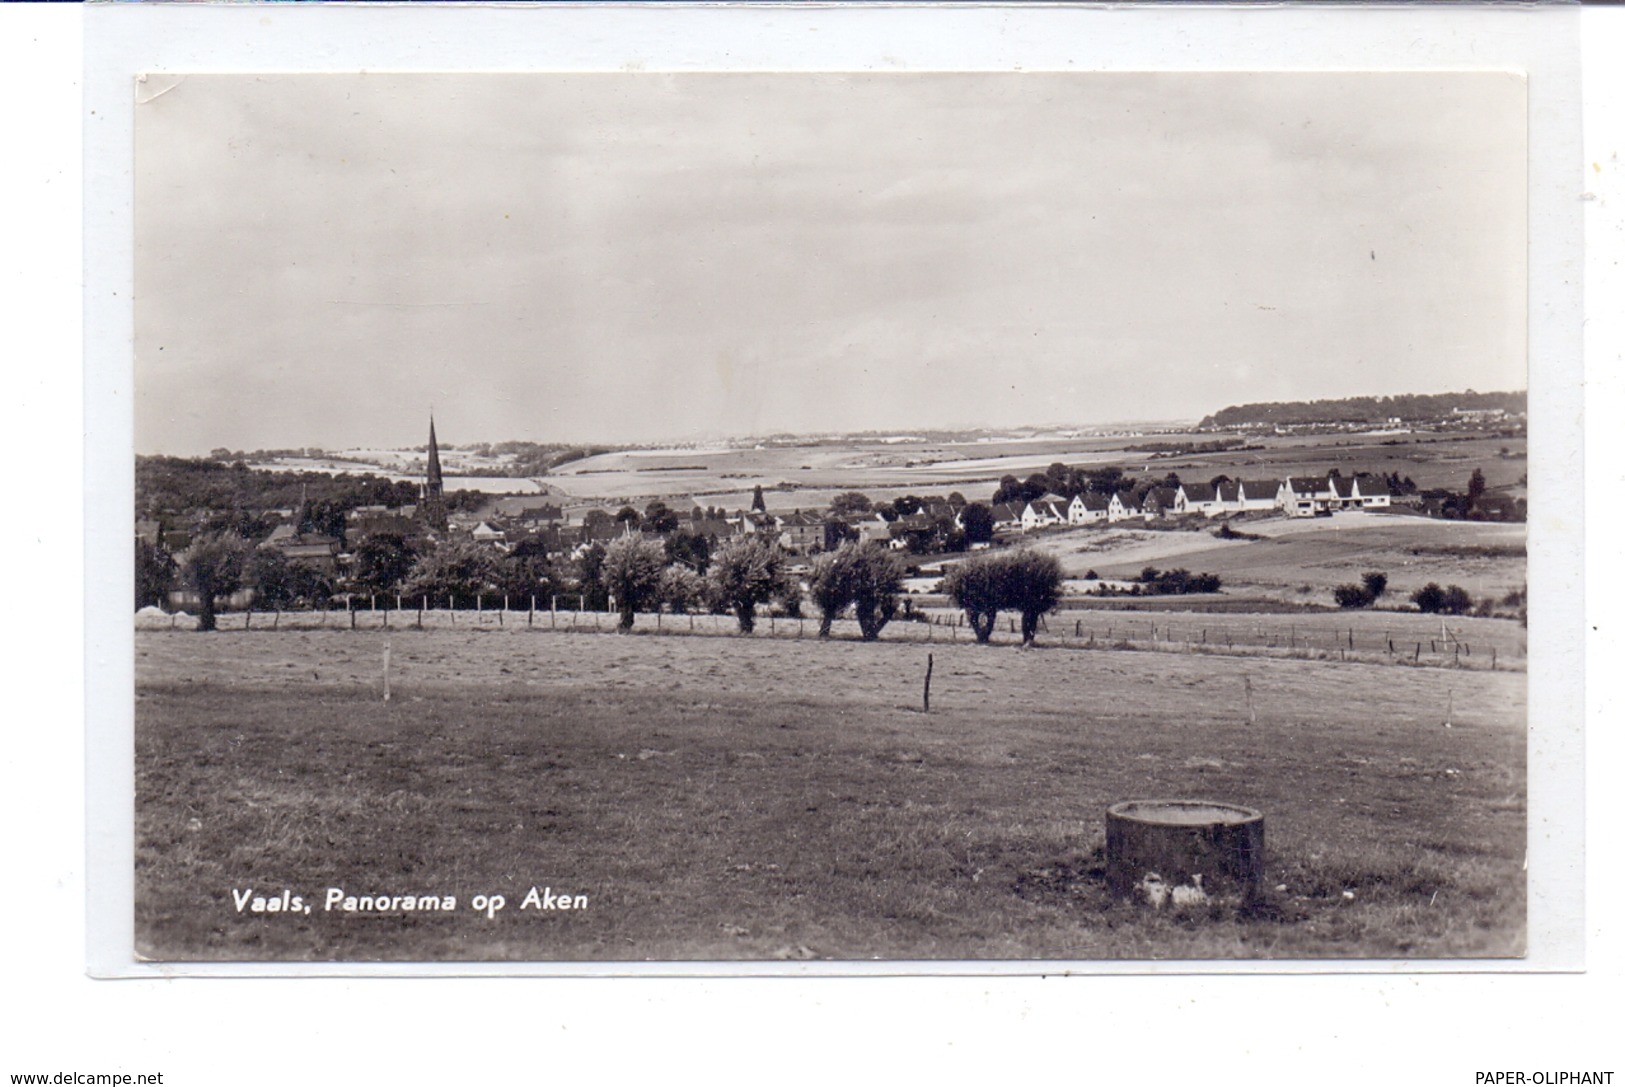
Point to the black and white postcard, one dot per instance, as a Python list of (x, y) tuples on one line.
[(765, 517)]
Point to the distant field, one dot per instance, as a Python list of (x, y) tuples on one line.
[(807, 477), (1320, 553), (762, 798)]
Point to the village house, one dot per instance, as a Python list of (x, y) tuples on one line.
[(1121, 507), (1257, 494), (365, 521), (1372, 491), (1202, 498), (1159, 502), (800, 531), (1088, 508), (1050, 509), (911, 531), (310, 549), (484, 533), (1007, 517)]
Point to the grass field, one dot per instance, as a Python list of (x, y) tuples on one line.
[(1305, 558), (807, 475), (784, 798)]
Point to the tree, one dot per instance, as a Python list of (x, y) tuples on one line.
[(688, 549), (758, 503), (383, 562), (747, 571), (1036, 486), (850, 503), (629, 518), (974, 587), (632, 567), (213, 568), (281, 583), (1375, 583), (267, 573), (977, 520), (1031, 585), (830, 587), (866, 577), (1009, 490), (590, 578), (660, 518), (877, 579), (154, 574), (1475, 486), (454, 568), (681, 589), (527, 571)]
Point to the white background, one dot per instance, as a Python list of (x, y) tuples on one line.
[(1355, 1029)]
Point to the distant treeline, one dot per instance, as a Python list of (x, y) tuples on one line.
[(1366, 409), (1223, 445), (204, 494)]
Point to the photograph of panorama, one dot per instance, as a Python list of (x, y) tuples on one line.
[(753, 517)]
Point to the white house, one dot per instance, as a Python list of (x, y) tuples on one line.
[(1257, 494), (1048, 510), (1122, 507), (1088, 508), (1200, 498), (1372, 491)]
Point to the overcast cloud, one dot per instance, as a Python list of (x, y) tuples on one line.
[(638, 257)]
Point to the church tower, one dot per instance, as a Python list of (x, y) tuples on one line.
[(432, 506)]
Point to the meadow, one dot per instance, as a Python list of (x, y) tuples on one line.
[(773, 798), (1303, 559)]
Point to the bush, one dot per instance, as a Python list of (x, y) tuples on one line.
[(1433, 600), (1352, 596), (1178, 582), (1375, 582)]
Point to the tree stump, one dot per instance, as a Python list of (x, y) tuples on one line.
[(1180, 853)]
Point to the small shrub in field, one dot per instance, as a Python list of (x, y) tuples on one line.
[(1352, 596), (1429, 598), (1375, 583), (1432, 599)]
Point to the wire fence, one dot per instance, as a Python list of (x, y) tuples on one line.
[(1369, 638)]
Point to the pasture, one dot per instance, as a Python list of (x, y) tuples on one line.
[(786, 798), (1304, 559), (807, 474)]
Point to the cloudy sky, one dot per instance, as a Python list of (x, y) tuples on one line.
[(639, 257)]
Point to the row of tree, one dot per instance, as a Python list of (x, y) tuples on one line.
[(634, 574)]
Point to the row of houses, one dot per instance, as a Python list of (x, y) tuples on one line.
[(1296, 496)]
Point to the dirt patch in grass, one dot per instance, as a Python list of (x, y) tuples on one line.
[(760, 799)]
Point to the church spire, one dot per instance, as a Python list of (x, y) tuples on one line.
[(433, 506), (434, 484)]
